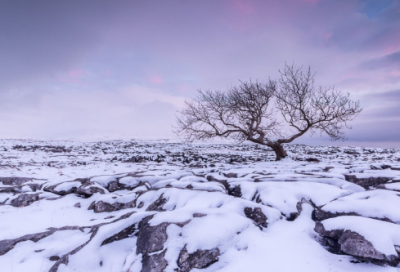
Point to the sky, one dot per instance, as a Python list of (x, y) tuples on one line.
[(121, 69)]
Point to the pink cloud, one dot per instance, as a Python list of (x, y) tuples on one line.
[(328, 36), (394, 73), (106, 72), (183, 89), (156, 80), (73, 76), (310, 1), (326, 39), (244, 15), (243, 7)]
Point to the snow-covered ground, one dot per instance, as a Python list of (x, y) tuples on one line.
[(167, 206)]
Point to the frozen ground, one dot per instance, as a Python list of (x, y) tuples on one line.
[(160, 206)]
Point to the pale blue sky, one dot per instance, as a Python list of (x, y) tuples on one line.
[(73, 69)]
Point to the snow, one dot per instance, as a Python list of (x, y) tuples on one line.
[(286, 247), (202, 191), (131, 181), (381, 204), (66, 186), (393, 186), (285, 195), (104, 181)]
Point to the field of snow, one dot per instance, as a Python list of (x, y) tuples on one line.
[(157, 206)]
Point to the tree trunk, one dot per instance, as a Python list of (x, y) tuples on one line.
[(279, 151)]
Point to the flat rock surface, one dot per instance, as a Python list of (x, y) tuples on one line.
[(164, 206)]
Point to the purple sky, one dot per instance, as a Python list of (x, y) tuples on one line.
[(73, 69)]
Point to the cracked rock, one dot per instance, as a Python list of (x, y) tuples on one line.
[(125, 233), (198, 259), (14, 180), (257, 216), (367, 182), (150, 240), (101, 206), (157, 205), (24, 200), (235, 191), (351, 243)]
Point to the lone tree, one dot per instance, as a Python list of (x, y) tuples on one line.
[(245, 113)]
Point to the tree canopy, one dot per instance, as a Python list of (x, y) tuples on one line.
[(258, 112)]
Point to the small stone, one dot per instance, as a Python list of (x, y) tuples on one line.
[(199, 259), (54, 258), (257, 216)]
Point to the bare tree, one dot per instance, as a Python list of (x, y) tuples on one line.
[(243, 112)]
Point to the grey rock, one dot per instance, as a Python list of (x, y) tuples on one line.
[(12, 190), (150, 243), (354, 244), (351, 152), (14, 180), (34, 186), (340, 241), (151, 238), (154, 263), (235, 191), (101, 206), (87, 191), (367, 182), (115, 186), (53, 189), (257, 216), (230, 175), (24, 200), (197, 165), (212, 178), (54, 258), (224, 182), (293, 216), (199, 214), (198, 259), (125, 233), (312, 160), (157, 205), (320, 215)]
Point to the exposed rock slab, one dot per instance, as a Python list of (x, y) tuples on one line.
[(367, 182), (350, 242), (199, 259)]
